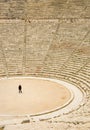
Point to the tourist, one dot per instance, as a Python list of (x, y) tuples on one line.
[(20, 88)]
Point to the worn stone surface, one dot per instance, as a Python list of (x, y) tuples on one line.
[(49, 126), (47, 38), (21, 9)]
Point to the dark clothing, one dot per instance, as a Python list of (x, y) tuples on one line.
[(20, 88)]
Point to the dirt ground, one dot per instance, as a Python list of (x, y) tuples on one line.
[(38, 96)]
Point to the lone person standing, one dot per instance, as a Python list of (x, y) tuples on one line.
[(20, 88)]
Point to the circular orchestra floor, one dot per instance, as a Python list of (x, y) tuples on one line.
[(38, 96)]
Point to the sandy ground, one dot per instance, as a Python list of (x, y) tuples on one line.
[(38, 96)]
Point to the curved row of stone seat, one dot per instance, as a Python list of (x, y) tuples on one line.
[(37, 9), (83, 84), (80, 81), (44, 46)]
